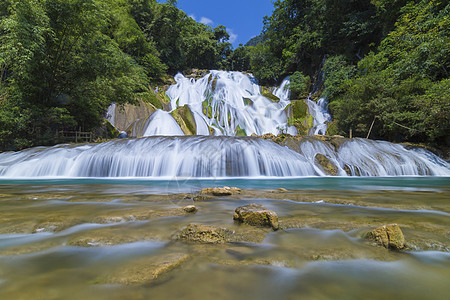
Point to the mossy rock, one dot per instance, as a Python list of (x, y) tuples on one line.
[(240, 132), (152, 98), (204, 234), (256, 215), (298, 116), (389, 236), (184, 117), (266, 92), (326, 165), (112, 131)]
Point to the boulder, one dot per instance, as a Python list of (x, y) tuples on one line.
[(256, 215), (389, 236), (190, 209), (326, 165), (205, 234), (221, 191)]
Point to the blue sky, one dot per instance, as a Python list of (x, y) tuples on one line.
[(243, 18)]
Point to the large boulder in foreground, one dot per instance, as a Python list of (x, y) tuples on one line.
[(389, 236), (256, 215)]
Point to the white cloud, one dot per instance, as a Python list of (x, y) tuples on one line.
[(192, 16), (206, 21), (233, 36)]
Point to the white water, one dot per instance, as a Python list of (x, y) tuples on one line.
[(226, 102), (320, 114), (202, 156)]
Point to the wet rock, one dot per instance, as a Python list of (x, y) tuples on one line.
[(326, 165), (256, 215), (202, 197), (145, 270), (205, 234), (221, 191), (389, 236), (190, 209)]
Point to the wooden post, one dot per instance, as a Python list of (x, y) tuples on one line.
[(371, 127), (351, 133)]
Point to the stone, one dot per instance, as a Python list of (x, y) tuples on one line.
[(221, 191), (145, 270), (256, 215), (190, 209), (389, 236), (205, 234), (326, 165)]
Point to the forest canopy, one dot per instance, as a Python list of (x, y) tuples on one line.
[(381, 62), (63, 62)]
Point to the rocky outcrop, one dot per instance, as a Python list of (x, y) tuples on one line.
[(128, 113), (389, 236), (184, 117), (256, 215), (326, 165), (204, 234), (221, 191)]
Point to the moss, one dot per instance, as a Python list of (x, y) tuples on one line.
[(326, 165), (152, 98), (240, 132), (111, 130), (185, 119), (265, 91), (248, 101), (299, 117)]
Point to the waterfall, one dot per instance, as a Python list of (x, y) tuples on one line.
[(228, 103), (320, 114), (205, 156)]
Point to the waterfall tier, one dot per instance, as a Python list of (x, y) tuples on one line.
[(221, 103), (201, 156)]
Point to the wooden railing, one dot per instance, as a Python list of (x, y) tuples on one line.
[(74, 136)]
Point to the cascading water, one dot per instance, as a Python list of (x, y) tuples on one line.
[(230, 103), (204, 156), (320, 114)]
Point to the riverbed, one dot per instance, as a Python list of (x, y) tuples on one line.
[(96, 238)]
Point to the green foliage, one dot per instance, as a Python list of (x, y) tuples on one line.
[(336, 70), (299, 85), (404, 86), (265, 66), (62, 62), (300, 33), (240, 58)]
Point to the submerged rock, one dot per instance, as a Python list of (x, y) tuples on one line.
[(256, 215), (389, 236), (205, 234), (145, 270)]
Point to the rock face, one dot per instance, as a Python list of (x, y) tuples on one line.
[(327, 166), (389, 236), (221, 191), (256, 215), (205, 234)]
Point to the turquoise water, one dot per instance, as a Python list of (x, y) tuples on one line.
[(407, 183)]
